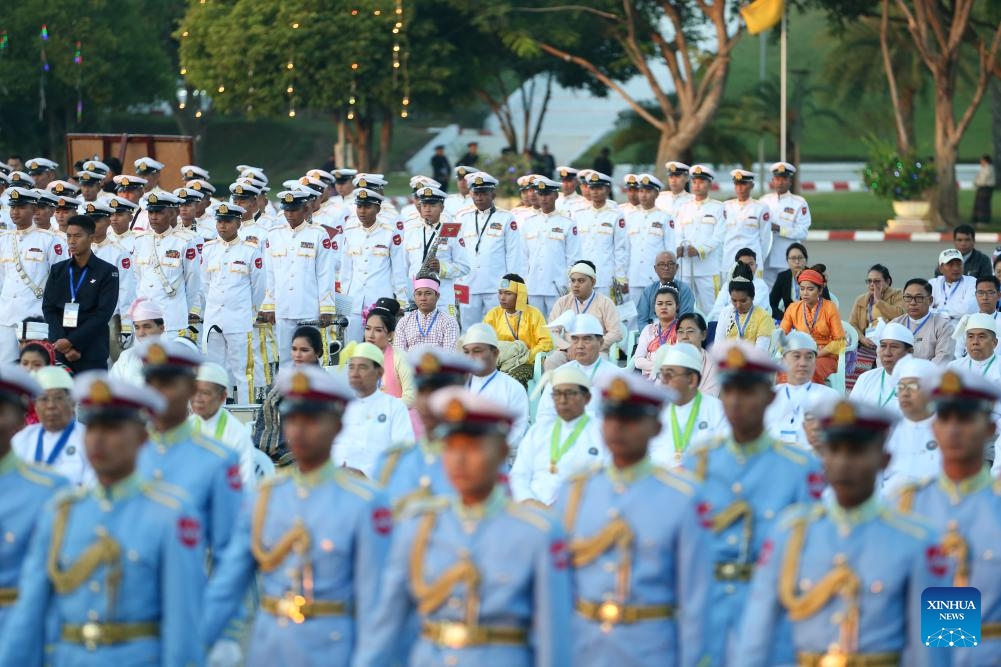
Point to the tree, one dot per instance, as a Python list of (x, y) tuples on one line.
[(632, 34)]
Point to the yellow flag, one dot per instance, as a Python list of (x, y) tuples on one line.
[(761, 15)]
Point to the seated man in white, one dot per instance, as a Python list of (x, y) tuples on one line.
[(585, 332), (582, 299), (694, 416), (879, 386), (553, 451), (784, 417), (374, 421), (57, 440), (480, 343), (953, 294), (980, 336), (914, 453), (213, 420), (988, 291)]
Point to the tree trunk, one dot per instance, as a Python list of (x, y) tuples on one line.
[(385, 141), (907, 97), (542, 112), (996, 119), (944, 196)]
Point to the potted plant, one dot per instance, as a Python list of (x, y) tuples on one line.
[(506, 168), (904, 179)]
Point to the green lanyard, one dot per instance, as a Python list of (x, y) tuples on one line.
[(220, 427), (969, 365), (556, 450), (893, 393), (681, 439)]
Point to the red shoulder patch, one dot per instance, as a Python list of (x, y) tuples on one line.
[(190, 253), (333, 245), (399, 225), (766, 216), (259, 263), (803, 210), (58, 248), (397, 239), (462, 242), (339, 229), (189, 531), (766, 552), (671, 223), (561, 555), (126, 263), (574, 230), (326, 243), (514, 225), (622, 223), (233, 477), (705, 512), (382, 521), (815, 484), (938, 561)]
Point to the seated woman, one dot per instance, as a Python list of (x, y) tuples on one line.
[(746, 257), (35, 355), (880, 301), (818, 317), (662, 332), (744, 319), (521, 329), (307, 349), (692, 330), (380, 330), (785, 291)]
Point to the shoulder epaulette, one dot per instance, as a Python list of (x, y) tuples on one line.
[(801, 512), (391, 459), (355, 483), (160, 495), (530, 515), (428, 505), (70, 496), (907, 523), (685, 483), (904, 496), (784, 449), (714, 442), (36, 474), (214, 241), (584, 475), (211, 445), (997, 486)]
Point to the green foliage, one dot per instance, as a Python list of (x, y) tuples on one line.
[(507, 168), (890, 175)]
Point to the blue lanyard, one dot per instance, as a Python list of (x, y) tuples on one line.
[(490, 379), (816, 314), (58, 449), (954, 288), (576, 306), (76, 288), (921, 324), (747, 320), (424, 334), (798, 408)]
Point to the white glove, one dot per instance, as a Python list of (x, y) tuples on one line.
[(225, 653)]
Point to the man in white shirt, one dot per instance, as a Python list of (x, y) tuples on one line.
[(57, 441), (879, 386), (551, 452), (210, 418), (481, 344), (953, 294), (914, 453), (569, 200), (694, 415), (988, 290), (789, 217), (374, 421), (700, 229), (650, 231), (603, 239), (979, 331), (670, 200), (552, 244), (747, 222), (784, 416)]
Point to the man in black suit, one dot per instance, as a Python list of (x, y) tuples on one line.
[(79, 301)]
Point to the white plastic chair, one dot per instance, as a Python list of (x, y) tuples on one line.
[(837, 380), (264, 467)]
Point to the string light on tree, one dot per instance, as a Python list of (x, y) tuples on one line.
[(78, 61)]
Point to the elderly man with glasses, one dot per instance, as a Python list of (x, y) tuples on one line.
[(932, 332), (666, 267)]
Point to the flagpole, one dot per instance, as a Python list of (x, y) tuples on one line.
[(783, 47)]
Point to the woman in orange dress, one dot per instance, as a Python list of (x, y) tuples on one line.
[(818, 317)]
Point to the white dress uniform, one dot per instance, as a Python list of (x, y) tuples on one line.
[(569, 205), (166, 270), (956, 299), (670, 202), (374, 265), (115, 253), (504, 390), (455, 203), (914, 455), (702, 225), (877, 387), (372, 425), (784, 417), (748, 225), (205, 226), (234, 281), (25, 260), (603, 241), (62, 451), (452, 255), (792, 214), (534, 476), (683, 425), (494, 244), (650, 232), (230, 431), (552, 245), (598, 372), (300, 285)]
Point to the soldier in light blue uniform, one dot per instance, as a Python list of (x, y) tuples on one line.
[(749, 478), (317, 537), (964, 502), (205, 469), (25, 487), (489, 578), (640, 575), (412, 472), (849, 572), (119, 567)]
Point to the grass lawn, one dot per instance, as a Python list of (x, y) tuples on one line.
[(861, 210)]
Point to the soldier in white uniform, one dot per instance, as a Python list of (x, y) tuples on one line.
[(670, 200), (790, 218), (187, 213), (42, 170), (114, 252), (26, 255), (132, 188), (377, 183), (451, 260), (150, 169), (552, 245), (411, 211), (569, 200), (700, 227), (5, 222), (204, 222), (299, 283), (122, 212), (603, 238), (234, 282), (747, 222), (494, 244), (650, 231), (461, 199), (191, 172), (630, 188), (45, 207), (343, 187), (67, 206), (166, 269), (374, 260)]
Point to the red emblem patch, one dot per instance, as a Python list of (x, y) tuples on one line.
[(126, 263), (397, 239), (399, 225), (58, 248), (190, 253), (705, 512), (189, 531), (326, 243), (815, 483), (233, 478), (462, 242), (339, 229), (765, 217), (200, 246), (938, 562), (333, 245), (671, 223), (574, 230), (622, 223), (803, 210), (382, 521), (514, 225), (766, 552), (561, 555), (259, 262)]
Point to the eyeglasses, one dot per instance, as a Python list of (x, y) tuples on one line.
[(568, 394), (688, 332), (986, 292), (911, 385), (870, 281), (914, 299), (665, 265), (667, 374)]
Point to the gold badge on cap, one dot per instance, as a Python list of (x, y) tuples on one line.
[(362, 183), (59, 188), (152, 199), (189, 174), (238, 189), (427, 192), (156, 355), (362, 195), (100, 393), (15, 195), (563, 172), (223, 209), (593, 178), (288, 198), (455, 411), (196, 186), (646, 180), (951, 384), (697, 170), (843, 415), (631, 179), (478, 180), (735, 358), (781, 169), (618, 390), (182, 193), (429, 363), (300, 383), (738, 176)]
